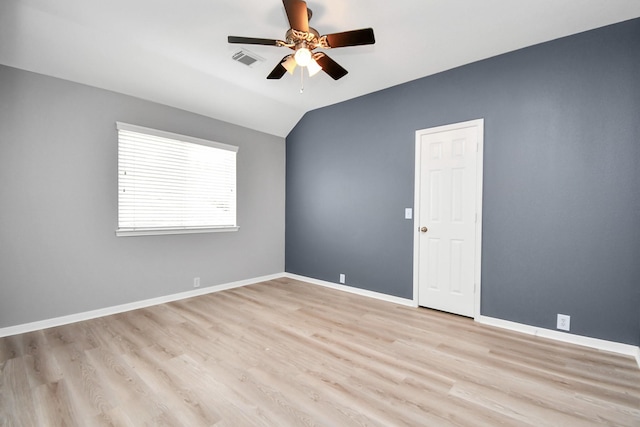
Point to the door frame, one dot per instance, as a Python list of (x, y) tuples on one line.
[(479, 125)]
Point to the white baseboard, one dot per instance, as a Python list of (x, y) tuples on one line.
[(625, 349), (595, 343), (107, 311), (352, 290)]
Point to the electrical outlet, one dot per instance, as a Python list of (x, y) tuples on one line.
[(564, 322), (196, 282), (342, 278)]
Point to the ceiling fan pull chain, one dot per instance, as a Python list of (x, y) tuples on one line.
[(301, 80)]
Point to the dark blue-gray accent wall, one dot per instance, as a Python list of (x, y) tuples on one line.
[(561, 207)]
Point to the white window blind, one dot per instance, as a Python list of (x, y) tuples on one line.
[(169, 183)]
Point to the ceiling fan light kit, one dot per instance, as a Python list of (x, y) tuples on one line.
[(303, 40), (302, 56)]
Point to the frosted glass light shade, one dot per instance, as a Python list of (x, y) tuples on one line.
[(313, 67), (290, 64), (303, 56)]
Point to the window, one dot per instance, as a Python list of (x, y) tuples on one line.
[(171, 184)]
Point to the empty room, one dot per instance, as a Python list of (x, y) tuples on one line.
[(320, 213)]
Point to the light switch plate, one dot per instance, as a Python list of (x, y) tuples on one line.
[(408, 213)]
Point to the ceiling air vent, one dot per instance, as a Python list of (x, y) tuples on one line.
[(247, 58)]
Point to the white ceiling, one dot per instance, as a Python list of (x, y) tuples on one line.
[(176, 52)]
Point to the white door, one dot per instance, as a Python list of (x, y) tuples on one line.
[(448, 217)]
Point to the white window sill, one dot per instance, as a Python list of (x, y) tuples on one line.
[(164, 231)]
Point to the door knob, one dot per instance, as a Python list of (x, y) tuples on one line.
[(424, 229)]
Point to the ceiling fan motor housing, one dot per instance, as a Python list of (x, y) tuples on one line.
[(295, 37)]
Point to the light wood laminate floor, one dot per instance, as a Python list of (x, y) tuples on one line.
[(285, 353)]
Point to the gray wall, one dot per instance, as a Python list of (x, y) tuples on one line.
[(58, 192), (561, 219)]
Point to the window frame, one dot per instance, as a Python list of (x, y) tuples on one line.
[(167, 230)]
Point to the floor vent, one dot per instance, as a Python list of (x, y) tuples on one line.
[(247, 58)]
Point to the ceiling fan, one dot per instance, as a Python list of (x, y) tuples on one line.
[(303, 40)]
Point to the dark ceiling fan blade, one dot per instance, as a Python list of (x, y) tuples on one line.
[(279, 71), (351, 38), (252, 40), (330, 66), (297, 14)]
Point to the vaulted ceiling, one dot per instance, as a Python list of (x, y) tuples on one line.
[(176, 52)]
